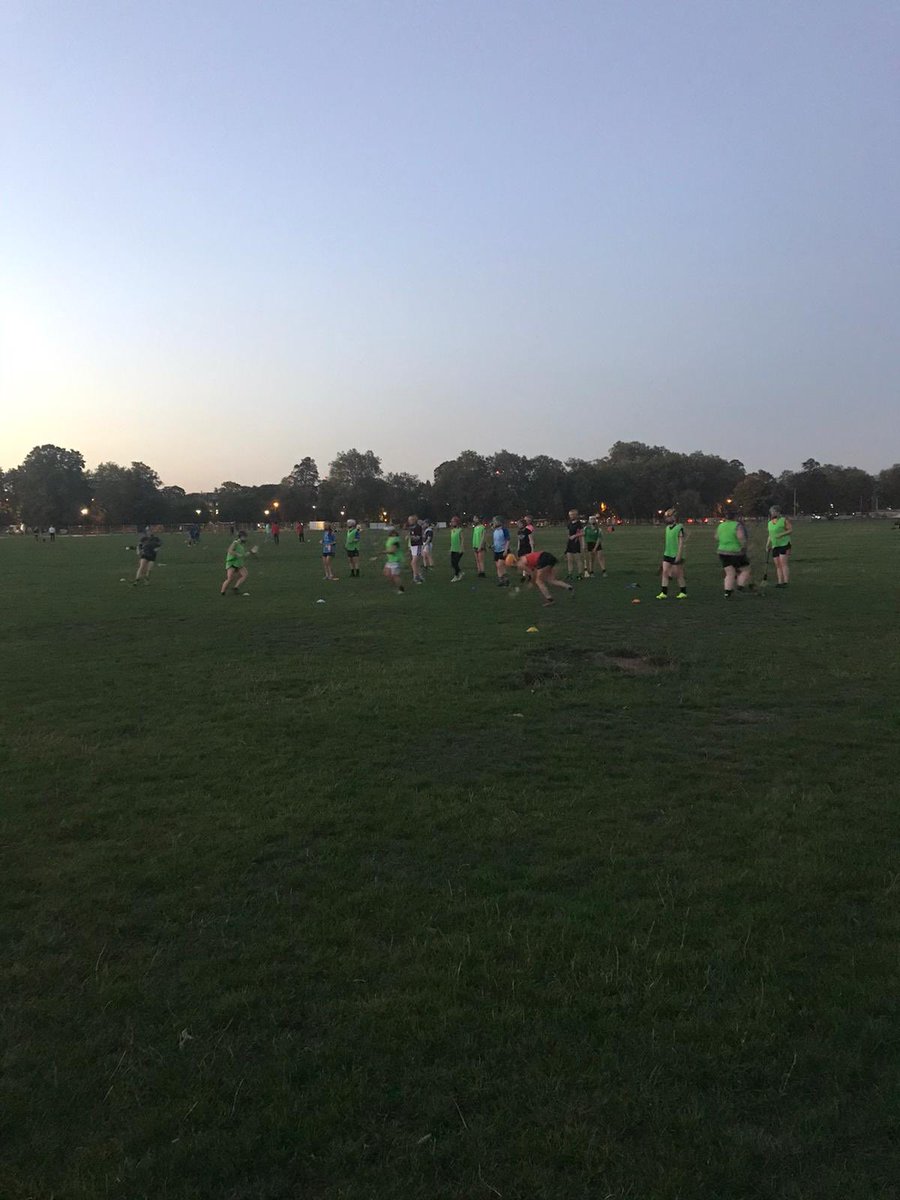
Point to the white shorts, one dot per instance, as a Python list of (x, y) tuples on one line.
[(415, 551), (392, 568)]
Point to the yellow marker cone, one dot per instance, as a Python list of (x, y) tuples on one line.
[(532, 629)]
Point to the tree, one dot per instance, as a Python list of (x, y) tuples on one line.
[(144, 499), (50, 486), (406, 494), (849, 488), (633, 452), (7, 506), (237, 503), (299, 489), (509, 476), (690, 504), (812, 488), (463, 486), (127, 495), (352, 468), (889, 487), (545, 486), (752, 495), (110, 486), (355, 485)]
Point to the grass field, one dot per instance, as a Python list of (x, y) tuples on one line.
[(385, 897)]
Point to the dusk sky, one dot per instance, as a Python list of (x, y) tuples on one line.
[(232, 234)]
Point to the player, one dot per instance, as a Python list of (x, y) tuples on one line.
[(731, 544), (593, 547), (393, 559), (415, 537), (478, 532), (427, 545), (574, 545), (329, 541), (525, 537), (500, 542), (235, 568), (673, 557), (456, 549), (779, 542), (540, 568), (147, 550), (300, 529), (351, 544)]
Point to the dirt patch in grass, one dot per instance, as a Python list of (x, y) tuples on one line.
[(557, 666), (548, 668), (633, 663)]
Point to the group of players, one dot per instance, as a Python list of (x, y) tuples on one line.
[(583, 553), (732, 546)]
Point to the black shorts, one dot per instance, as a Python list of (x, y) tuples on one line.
[(148, 558), (590, 547), (573, 546), (545, 559), (353, 554), (778, 551), (738, 561), (668, 558), (498, 554)]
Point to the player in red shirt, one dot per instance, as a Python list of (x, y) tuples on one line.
[(540, 568)]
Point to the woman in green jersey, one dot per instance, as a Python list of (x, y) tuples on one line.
[(731, 544), (673, 557), (478, 545), (779, 542), (393, 559), (456, 549), (352, 541), (235, 570), (593, 547)]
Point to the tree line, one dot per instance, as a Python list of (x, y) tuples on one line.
[(633, 481)]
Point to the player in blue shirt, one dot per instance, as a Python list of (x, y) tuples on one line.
[(500, 542), (328, 543)]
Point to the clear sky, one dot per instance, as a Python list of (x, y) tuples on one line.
[(232, 234)]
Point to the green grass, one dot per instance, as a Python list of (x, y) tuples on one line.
[(387, 898)]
